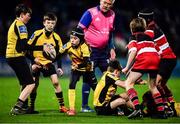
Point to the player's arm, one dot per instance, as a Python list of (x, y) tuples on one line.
[(111, 46), (65, 48), (86, 56), (132, 46), (22, 42), (120, 83), (85, 62)]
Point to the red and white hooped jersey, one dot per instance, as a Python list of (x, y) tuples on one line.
[(147, 57), (160, 40)]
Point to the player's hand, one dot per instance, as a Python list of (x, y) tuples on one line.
[(112, 54), (74, 66), (60, 72), (125, 70), (35, 67), (37, 61)]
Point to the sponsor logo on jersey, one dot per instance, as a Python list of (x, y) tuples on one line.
[(22, 29)]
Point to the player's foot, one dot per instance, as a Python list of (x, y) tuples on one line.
[(31, 110), (86, 109), (120, 111), (63, 109), (168, 110), (135, 114), (71, 112), (17, 111)]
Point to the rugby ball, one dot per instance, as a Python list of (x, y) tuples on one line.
[(51, 54)]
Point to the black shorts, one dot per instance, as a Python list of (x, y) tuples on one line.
[(22, 70), (106, 109), (89, 76), (46, 72), (166, 67)]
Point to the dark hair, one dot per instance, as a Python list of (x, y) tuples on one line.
[(138, 25), (50, 16), (21, 8), (78, 33), (147, 14), (114, 64)]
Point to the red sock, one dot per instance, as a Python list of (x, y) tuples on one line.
[(134, 97), (159, 102)]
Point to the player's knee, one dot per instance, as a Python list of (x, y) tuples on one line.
[(55, 84)]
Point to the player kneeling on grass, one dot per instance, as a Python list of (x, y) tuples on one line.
[(106, 102), (44, 59), (79, 53)]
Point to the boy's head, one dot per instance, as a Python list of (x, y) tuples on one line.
[(49, 21), (147, 14), (76, 37), (138, 25), (114, 65), (23, 12)]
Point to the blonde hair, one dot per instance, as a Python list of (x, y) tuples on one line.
[(138, 25)]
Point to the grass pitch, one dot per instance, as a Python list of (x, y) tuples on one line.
[(47, 104)]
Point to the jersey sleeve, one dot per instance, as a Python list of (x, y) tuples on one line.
[(30, 41), (65, 47), (22, 30), (85, 50), (85, 20), (132, 45), (111, 79)]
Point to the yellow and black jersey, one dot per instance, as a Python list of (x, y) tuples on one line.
[(38, 38), (76, 54), (105, 89), (16, 33)]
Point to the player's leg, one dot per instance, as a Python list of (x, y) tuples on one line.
[(133, 96), (156, 96), (33, 95), (25, 78), (86, 91), (165, 71), (75, 76), (36, 73), (58, 92)]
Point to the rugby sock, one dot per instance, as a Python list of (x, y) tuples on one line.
[(134, 98), (19, 103), (161, 90), (85, 94), (159, 102), (33, 98), (71, 96), (60, 98), (168, 94)]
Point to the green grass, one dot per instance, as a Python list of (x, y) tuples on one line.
[(47, 104)]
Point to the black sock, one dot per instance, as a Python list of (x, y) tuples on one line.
[(19, 103), (33, 98), (60, 98)]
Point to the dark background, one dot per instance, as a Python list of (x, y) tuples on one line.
[(70, 11)]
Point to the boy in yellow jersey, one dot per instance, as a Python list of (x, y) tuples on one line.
[(106, 102), (15, 55), (43, 64), (79, 53)]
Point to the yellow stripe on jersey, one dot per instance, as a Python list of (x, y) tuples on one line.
[(105, 89), (16, 32), (38, 38)]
